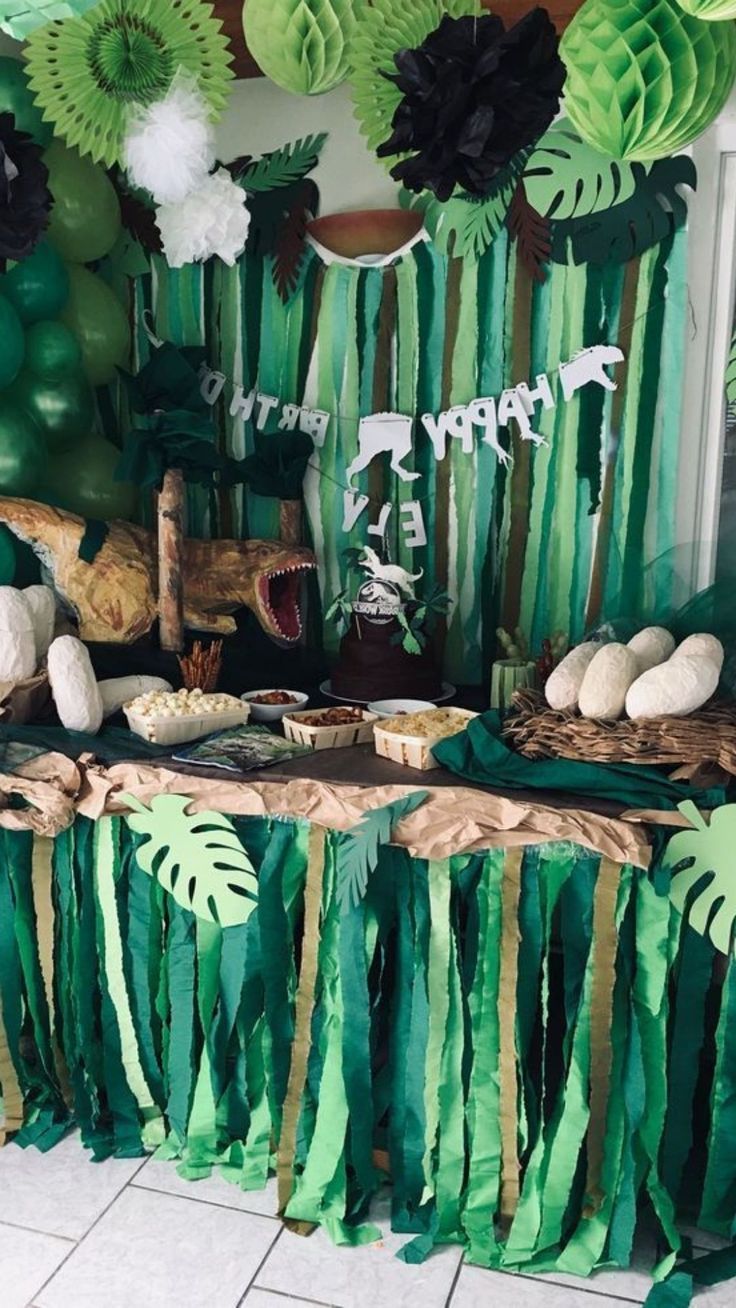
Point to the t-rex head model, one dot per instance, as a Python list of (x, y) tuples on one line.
[(114, 597)]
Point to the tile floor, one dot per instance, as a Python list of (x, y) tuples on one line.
[(132, 1234)]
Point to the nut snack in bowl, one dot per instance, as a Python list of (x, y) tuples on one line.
[(172, 717), (332, 728), (409, 740)]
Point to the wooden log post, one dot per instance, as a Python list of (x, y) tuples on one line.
[(171, 509), (290, 521)]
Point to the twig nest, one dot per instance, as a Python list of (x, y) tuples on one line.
[(652, 646), (563, 684), (73, 685), (41, 603), (17, 641), (675, 688), (703, 644), (611, 672)]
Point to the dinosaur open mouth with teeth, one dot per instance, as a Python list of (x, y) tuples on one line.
[(279, 593)]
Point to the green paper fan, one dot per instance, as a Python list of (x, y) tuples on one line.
[(88, 71), (711, 11), (21, 17), (381, 30), (644, 79), (302, 45)]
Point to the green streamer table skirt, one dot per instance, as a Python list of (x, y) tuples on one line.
[(533, 1038)]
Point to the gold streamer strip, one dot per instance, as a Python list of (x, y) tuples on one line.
[(605, 946), (41, 881), (508, 1110), (303, 1024), (12, 1096)]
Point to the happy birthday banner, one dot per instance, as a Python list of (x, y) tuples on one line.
[(391, 434)]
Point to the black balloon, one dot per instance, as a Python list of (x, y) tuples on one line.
[(474, 95), (25, 199)]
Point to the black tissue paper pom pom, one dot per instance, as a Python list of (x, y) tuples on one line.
[(25, 200), (474, 95)]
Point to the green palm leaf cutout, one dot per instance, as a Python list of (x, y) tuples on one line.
[(708, 850), (731, 373), (358, 849), (653, 210), (282, 167), (566, 178), (465, 226), (197, 857)]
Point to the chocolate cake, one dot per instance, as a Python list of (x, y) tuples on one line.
[(371, 667)]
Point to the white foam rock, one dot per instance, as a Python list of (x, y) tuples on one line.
[(563, 685), (652, 646), (17, 640), (678, 687), (704, 644), (73, 685), (42, 604), (609, 675)]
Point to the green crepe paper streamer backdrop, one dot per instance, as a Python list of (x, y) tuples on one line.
[(302, 45), (98, 321), (21, 17), (38, 287), (86, 71), (711, 11), (381, 30), (16, 98), (644, 79), (12, 342), (85, 219)]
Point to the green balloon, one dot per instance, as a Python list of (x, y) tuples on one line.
[(7, 557), (99, 322), (85, 219), (39, 286), (12, 344), (52, 350), (16, 98), (62, 408), (82, 481), (23, 455)]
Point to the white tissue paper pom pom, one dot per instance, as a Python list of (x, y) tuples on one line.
[(213, 220), (170, 145)]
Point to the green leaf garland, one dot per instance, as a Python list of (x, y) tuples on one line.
[(196, 857), (358, 849), (566, 178), (281, 167), (707, 849)]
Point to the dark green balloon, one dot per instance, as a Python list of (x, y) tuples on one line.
[(52, 350), (82, 481), (7, 557), (12, 343), (17, 99), (38, 287), (23, 455), (63, 408)]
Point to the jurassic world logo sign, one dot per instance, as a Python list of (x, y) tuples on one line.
[(392, 434)]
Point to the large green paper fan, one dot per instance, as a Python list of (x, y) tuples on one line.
[(21, 17), (87, 72), (644, 79), (302, 45), (381, 30), (711, 11)]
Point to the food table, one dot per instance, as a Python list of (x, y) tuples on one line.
[(510, 1018)]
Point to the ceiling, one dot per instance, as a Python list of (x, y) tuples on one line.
[(231, 13)]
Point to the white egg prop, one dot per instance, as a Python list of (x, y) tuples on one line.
[(563, 684), (703, 644), (673, 689), (17, 639), (41, 602), (609, 675), (73, 685), (652, 646)]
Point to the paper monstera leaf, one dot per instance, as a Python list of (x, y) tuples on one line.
[(382, 29), (88, 72), (302, 45), (21, 17), (644, 78), (708, 850), (711, 11), (196, 857)]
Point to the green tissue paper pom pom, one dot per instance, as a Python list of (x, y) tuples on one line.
[(302, 45), (644, 79)]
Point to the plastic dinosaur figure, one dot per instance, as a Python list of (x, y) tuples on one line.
[(114, 597), (389, 572)]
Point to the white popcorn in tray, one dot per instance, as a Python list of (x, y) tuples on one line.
[(181, 703)]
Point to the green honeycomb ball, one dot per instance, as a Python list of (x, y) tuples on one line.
[(711, 11), (644, 78), (302, 45)]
